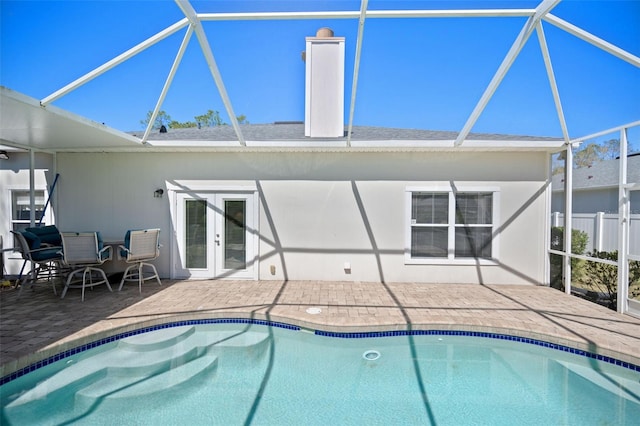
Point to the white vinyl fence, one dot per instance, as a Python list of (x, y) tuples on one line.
[(602, 230)]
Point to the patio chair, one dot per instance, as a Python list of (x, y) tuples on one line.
[(140, 247), (48, 234), (45, 260), (83, 253)]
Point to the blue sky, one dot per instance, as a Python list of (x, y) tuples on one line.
[(414, 73)]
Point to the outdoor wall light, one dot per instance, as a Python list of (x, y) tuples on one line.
[(158, 193), (4, 155)]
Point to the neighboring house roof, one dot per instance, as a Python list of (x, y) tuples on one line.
[(295, 131), (603, 174)]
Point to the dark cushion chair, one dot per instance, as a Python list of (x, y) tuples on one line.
[(41, 250), (46, 259), (48, 234)]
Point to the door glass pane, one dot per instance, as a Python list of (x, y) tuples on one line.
[(235, 245), (196, 233)]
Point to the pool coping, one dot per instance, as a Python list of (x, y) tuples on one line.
[(58, 351)]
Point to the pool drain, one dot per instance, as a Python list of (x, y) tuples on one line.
[(371, 355)]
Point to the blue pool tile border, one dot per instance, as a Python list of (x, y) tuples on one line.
[(342, 335)]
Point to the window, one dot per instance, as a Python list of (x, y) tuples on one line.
[(447, 224), (21, 208)]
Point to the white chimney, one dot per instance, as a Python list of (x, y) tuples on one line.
[(324, 85)]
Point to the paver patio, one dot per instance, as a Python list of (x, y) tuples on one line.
[(39, 324)]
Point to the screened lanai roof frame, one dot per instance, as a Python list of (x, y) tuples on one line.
[(56, 118), (193, 22)]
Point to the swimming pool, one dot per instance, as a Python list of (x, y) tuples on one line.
[(256, 372)]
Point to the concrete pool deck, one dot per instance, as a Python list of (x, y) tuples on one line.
[(39, 324)]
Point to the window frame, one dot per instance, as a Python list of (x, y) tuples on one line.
[(451, 226), (25, 223)]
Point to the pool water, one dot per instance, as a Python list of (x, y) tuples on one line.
[(233, 374)]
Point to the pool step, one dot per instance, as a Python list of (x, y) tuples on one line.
[(119, 387), (155, 340), (150, 356), (247, 343), (621, 386), (129, 359)]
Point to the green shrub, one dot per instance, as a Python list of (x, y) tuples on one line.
[(579, 240), (603, 278)]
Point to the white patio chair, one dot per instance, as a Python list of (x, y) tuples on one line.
[(82, 252), (140, 247)]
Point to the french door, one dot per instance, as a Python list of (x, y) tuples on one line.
[(215, 234)]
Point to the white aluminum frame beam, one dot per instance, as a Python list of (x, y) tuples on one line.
[(271, 16), (192, 16), (552, 80), (24, 147), (596, 41), (193, 20), (540, 11), (167, 84), (568, 217), (356, 67), (115, 61), (468, 13), (32, 189), (605, 132), (352, 14), (623, 227)]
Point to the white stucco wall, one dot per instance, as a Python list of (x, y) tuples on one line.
[(324, 209)]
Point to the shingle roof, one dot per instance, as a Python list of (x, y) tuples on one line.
[(601, 174), (295, 131)]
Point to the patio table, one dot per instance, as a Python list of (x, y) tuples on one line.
[(117, 263)]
